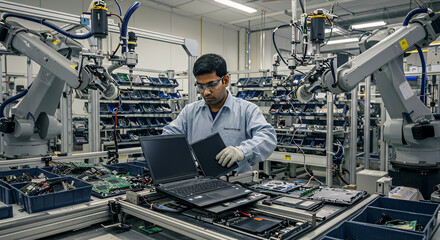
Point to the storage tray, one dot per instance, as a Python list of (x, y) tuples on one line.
[(6, 194), (351, 230), (372, 214), (33, 204)]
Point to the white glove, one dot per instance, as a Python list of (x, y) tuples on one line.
[(229, 155)]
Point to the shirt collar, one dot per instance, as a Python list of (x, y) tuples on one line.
[(228, 102)]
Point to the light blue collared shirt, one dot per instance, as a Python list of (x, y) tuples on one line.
[(239, 122)]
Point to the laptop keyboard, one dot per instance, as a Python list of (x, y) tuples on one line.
[(199, 188)]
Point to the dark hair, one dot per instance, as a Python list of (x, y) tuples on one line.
[(210, 63)]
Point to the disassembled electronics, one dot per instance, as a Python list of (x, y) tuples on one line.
[(279, 186), (298, 203), (41, 188), (26, 177), (338, 195)]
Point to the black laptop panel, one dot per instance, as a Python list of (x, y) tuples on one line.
[(169, 158), (206, 150), (172, 166)]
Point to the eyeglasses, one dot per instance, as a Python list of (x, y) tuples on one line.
[(210, 86)]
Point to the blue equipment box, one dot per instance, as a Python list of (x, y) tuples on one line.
[(371, 215), (6, 194), (352, 230), (5, 212), (33, 204), (132, 169)]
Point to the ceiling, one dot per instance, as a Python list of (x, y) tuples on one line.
[(278, 12)]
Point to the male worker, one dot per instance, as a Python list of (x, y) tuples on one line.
[(242, 126)]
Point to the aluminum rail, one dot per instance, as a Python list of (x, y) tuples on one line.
[(44, 224), (31, 11), (171, 223), (80, 156)]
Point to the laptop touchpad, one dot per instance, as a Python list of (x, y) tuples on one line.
[(214, 195)]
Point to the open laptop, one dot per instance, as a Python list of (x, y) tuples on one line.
[(206, 150), (173, 170)]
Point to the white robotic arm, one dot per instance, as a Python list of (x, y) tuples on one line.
[(412, 129), (32, 120)]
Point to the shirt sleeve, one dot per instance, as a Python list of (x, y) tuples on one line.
[(263, 137), (178, 125)]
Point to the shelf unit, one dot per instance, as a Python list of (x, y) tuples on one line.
[(139, 113), (288, 116)]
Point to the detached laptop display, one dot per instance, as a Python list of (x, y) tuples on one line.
[(206, 150), (169, 158), (173, 170)]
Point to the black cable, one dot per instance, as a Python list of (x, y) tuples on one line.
[(275, 44), (302, 6), (340, 177)]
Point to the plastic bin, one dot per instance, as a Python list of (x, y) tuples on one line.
[(266, 82), (123, 122), (5, 188), (372, 214), (125, 95), (166, 108), (153, 122), (132, 169), (285, 109), (250, 94), (351, 230), (297, 109), (141, 164), (157, 108), (107, 122), (143, 122), (242, 94), (286, 140), (79, 124), (407, 206), (33, 204), (137, 109), (175, 95), (165, 81), (80, 138), (136, 95), (253, 82), (242, 82), (174, 82), (308, 142), (5, 212), (156, 81), (103, 108), (275, 109), (133, 122), (309, 109), (154, 94)]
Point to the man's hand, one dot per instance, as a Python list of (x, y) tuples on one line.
[(230, 155)]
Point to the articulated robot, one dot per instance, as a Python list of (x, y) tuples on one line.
[(412, 129), (63, 61)]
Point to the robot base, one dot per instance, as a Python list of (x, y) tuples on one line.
[(420, 177), (14, 148)]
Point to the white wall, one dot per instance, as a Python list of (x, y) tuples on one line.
[(215, 38), (269, 49)]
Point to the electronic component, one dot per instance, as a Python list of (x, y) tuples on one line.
[(260, 225), (279, 186), (298, 203), (338, 195), (26, 177), (149, 230)]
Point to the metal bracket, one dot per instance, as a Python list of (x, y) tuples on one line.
[(46, 160)]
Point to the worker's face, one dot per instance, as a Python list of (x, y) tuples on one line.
[(212, 87)]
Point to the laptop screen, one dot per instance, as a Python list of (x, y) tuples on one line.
[(206, 150), (169, 158)]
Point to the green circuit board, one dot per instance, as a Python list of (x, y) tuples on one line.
[(111, 184)]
